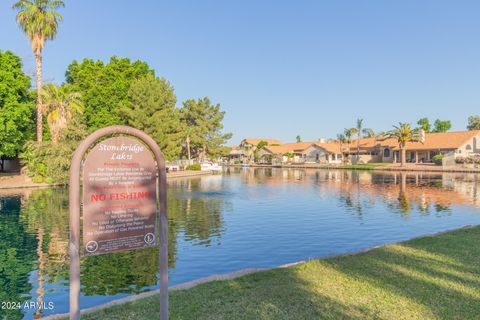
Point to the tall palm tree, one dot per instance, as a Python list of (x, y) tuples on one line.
[(403, 133), (348, 136), (39, 20), (60, 103), (341, 140), (358, 130)]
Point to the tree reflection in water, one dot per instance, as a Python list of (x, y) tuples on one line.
[(17, 257), (45, 214)]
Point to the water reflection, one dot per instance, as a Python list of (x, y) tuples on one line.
[(401, 190), (17, 257), (224, 223)]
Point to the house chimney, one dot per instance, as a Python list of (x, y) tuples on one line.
[(422, 135)]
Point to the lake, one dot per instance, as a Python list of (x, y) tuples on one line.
[(244, 218)]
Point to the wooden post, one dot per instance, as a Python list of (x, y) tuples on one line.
[(74, 219)]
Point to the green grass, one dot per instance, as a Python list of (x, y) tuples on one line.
[(366, 166), (426, 278)]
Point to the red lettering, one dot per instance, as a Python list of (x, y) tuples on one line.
[(98, 197)]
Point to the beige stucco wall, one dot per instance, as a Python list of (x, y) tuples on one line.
[(474, 145)]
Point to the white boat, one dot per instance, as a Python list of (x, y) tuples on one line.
[(209, 166)]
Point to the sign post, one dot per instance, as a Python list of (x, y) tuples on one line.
[(123, 189)]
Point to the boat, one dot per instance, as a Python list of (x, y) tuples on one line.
[(209, 166)]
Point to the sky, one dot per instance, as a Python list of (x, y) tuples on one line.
[(284, 68)]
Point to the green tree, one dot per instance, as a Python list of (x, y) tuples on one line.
[(473, 123), (50, 162), (151, 108), (60, 102), (16, 107), (289, 156), (424, 123), (262, 144), (39, 20), (259, 147), (403, 133), (205, 122), (298, 138), (442, 126), (105, 88)]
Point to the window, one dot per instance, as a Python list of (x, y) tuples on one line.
[(317, 157), (386, 153)]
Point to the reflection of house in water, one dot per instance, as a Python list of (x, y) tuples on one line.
[(443, 189)]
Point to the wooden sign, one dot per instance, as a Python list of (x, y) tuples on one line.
[(124, 199), (119, 197)]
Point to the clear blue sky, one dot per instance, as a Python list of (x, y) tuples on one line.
[(282, 68)]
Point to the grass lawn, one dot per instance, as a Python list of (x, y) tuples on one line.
[(366, 166), (427, 278)]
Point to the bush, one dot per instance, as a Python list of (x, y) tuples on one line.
[(460, 160), (50, 162), (37, 179), (194, 167), (437, 159), (468, 160)]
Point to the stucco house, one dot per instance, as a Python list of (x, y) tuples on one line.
[(245, 152), (460, 143), (456, 144), (301, 152)]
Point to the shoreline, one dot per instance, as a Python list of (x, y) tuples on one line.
[(26, 184), (243, 272), (355, 167)]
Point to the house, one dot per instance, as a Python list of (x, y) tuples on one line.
[(460, 143), (249, 147), (364, 150), (236, 155), (301, 152), (324, 152)]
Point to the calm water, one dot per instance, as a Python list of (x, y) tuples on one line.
[(245, 218)]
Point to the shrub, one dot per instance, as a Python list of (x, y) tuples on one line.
[(194, 167), (437, 159), (468, 160), (37, 179), (50, 162), (460, 160)]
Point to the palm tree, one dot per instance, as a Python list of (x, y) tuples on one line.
[(403, 133), (341, 140), (60, 103), (368, 133), (39, 20), (348, 136), (358, 131)]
